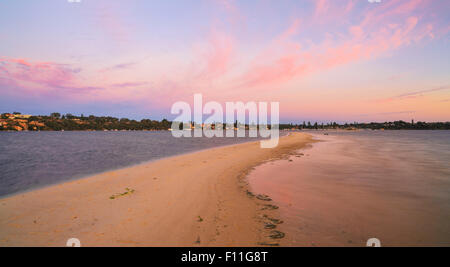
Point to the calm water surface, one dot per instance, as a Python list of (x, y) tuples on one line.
[(391, 185), (30, 160)]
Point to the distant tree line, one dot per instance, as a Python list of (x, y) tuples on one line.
[(68, 122), (396, 125)]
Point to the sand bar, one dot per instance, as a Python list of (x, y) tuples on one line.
[(197, 199)]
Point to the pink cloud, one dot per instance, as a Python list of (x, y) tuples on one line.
[(218, 57), (392, 10), (39, 73), (234, 15), (321, 8), (364, 41), (414, 94), (326, 11), (288, 57), (350, 5), (129, 84), (27, 78)]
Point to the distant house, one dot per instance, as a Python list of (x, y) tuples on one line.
[(16, 116), (20, 116)]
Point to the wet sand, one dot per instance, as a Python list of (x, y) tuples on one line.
[(343, 191), (198, 199)]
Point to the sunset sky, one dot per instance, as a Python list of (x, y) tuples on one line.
[(323, 60)]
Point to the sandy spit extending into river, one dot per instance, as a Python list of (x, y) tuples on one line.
[(197, 199)]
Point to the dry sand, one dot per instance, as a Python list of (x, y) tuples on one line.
[(197, 199)]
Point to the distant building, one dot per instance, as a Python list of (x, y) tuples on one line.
[(17, 116), (23, 116)]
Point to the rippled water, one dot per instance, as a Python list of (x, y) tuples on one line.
[(391, 185), (31, 160)]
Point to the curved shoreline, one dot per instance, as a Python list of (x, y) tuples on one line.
[(185, 200), (111, 169)]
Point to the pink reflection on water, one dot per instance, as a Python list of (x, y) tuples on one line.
[(348, 189)]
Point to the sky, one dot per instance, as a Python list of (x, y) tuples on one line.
[(322, 60)]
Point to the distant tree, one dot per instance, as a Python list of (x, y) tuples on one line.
[(55, 115), (70, 116)]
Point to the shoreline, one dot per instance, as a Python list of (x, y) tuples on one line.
[(145, 162), (347, 189), (195, 199)]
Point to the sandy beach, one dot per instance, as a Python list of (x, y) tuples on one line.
[(197, 199)]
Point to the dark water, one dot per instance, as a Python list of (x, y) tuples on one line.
[(391, 185), (31, 160)]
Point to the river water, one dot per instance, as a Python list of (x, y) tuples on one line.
[(30, 160), (352, 186)]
